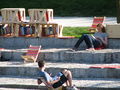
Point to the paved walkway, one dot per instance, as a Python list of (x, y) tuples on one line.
[(79, 21)]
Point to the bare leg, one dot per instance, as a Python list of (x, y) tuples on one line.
[(67, 83), (68, 74)]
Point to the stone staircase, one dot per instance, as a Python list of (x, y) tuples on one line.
[(58, 55), (23, 75), (67, 55)]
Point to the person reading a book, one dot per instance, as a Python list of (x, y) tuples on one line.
[(62, 77), (98, 40)]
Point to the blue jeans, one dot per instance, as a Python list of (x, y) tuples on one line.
[(89, 40)]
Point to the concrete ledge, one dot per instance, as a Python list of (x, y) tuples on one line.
[(24, 42), (83, 84), (78, 70), (67, 55), (82, 56)]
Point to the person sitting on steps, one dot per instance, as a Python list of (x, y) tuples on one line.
[(98, 40), (64, 76)]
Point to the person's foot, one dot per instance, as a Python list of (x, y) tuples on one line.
[(74, 49), (72, 88), (90, 49)]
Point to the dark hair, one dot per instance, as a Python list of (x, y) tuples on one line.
[(41, 63), (103, 28)]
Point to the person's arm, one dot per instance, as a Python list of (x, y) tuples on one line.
[(48, 83), (41, 79), (54, 81), (105, 40), (47, 80)]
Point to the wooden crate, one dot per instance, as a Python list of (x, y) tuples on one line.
[(41, 15), (13, 14), (45, 30), (40, 30)]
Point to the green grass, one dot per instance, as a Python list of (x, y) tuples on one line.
[(75, 31)]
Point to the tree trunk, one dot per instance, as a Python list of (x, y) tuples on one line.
[(118, 10)]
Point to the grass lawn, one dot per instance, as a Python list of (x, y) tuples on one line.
[(75, 31)]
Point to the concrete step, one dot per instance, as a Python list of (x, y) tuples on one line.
[(78, 70), (20, 83), (67, 55), (81, 56), (83, 84), (24, 42)]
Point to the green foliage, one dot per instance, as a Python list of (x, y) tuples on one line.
[(75, 31), (67, 7)]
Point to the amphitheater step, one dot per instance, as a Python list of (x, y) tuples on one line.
[(81, 56), (83, 84), (78, 70), (24, 42), (67, 55)]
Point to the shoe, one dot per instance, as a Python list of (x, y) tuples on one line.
[(72, 88), (75, 88), (74, 49)]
